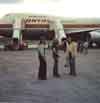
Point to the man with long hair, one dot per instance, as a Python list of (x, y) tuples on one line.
[(71, 52)]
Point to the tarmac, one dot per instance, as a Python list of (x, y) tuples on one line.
[(19, 84)]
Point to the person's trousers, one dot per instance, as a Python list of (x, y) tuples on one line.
[(85, 51), (55, 68), (72, 66), (42, 73)]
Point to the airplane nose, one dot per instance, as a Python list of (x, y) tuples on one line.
[(95, 35)]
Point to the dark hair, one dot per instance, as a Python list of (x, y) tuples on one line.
[(63, 39), (42, 40)]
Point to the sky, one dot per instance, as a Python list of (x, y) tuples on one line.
[(63, 8)]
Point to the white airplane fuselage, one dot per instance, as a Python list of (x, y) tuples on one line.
[(95, 37)]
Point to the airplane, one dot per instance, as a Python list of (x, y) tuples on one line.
[(92, 35), (95, 38), (58, 27)]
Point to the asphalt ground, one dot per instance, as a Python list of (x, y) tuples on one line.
[(19, 84)]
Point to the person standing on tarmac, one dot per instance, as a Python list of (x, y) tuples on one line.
[(42, 73), (71, 52), (85, 45), (55, 58)]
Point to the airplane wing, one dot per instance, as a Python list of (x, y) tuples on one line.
[(67, 30), (78, 30)]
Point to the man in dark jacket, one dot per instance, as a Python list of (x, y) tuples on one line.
[(42, 73)]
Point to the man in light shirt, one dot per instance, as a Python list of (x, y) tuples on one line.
[(71, 53), (85, 45)]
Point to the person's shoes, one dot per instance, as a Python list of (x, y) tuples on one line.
[(65, 65), (72, 74), (57, 75), (42, 78), (69, 73)]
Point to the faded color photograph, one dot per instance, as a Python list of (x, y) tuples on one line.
[(49, 51)]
